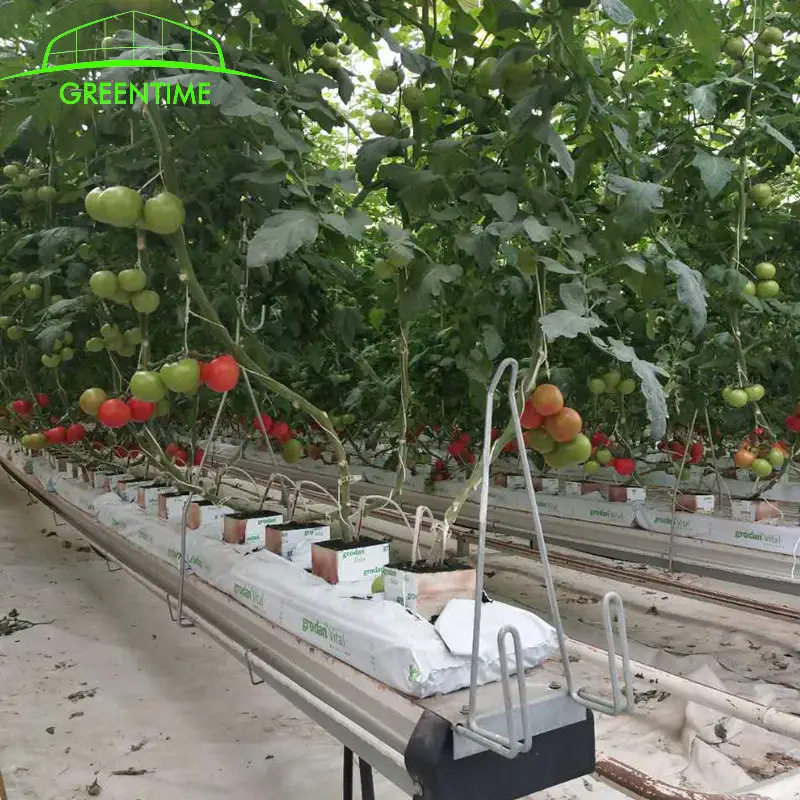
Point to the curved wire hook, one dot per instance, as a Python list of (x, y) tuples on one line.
[(242, 310)]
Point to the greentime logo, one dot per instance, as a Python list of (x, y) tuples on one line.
[(87, 47)]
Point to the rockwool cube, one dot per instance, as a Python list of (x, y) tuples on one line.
[(294, 540), (249, 527)]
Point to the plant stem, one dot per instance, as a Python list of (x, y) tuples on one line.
[(187, 274)]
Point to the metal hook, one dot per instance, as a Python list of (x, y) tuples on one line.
[(242, 310)]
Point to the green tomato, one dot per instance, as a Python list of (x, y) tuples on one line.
[(94, 205), (47, 194), (540, 441), (29, 196), (754, 393), (413, 98), (761, 467), (382, 123), (765, 271), (126, 350), (767, 289), (737, 398), (56, 298), (387, 81), (749, 289), (182, 376), (611, 380), (51, 361), (399, 255), (484, 74), (147, 385), (591, 466), (627, 386), (22, 180), (578, 450), (330, 49), (121, 297), (11, 171), (109, 332), (85, 251), (735, 47), (57, 345), (771, 35), (597, 385), (776, 457), (760, 194), (15, 333), (33, 291), (104, 284), (95, 344), (146, 302), (604, 456), (121, 206), (66, 354), (133, 336), (5, 323), (383, 270), (132, 280), (164, 213)]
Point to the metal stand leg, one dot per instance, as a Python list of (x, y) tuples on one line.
[(365, 775), (347, 774), (367, 785), (462, 548)]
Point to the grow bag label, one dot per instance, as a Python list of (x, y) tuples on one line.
[(147, 496), (347, 566)]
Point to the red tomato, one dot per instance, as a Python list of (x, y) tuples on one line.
[(198, 456), (42, 400), (134, 452), (696, 453), (465, 437), (792, 422), (279, 430), (599, 438), (75, 433), (530, 417), (456, 448), (171, 449), (120, 451), (98, 445), (56, 435), (221, 374), (496, 433), (181, 457), (114, 413), (266, 423), (624, 466), (677, 449), (141, 410), (22, 406), (439, 465), (470, 458)]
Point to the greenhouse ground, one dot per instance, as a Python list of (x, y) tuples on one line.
[(109, 685)]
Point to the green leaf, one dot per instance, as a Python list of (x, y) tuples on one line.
[(573, 296), (536, 231), (698, 20), (505, 205), (281, 235), (359, 36), (351, 225), (14, 113), (492, 342), (645, 196), (778, 136), (50, 241), (568, 324), (618, 11), (715, 171), (370, 155), (655, 398), (551, 265), (549, 135), (635, 262), (704, 100), (691, 292), (439, 274)]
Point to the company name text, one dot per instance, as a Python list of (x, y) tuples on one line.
[(108, 93)]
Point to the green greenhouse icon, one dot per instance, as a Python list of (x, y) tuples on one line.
[(89, 46)]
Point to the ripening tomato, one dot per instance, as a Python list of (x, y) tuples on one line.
[(198, 456), (141, 410), (42, 400), (56, 435), (530, 417), (564, 426), (547, 399), (221, 374), (677, 449), (75, 433), (114, 413)]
